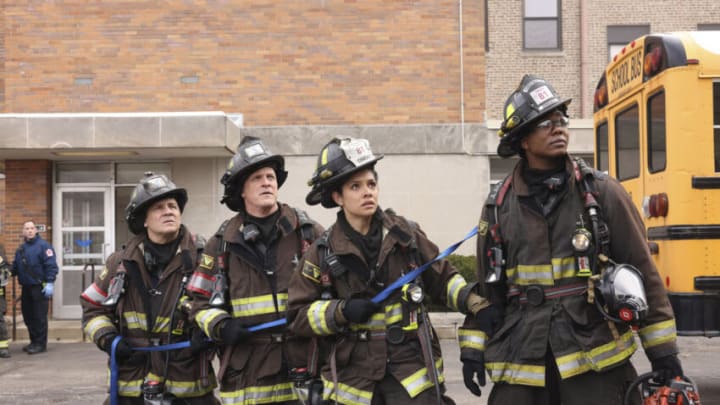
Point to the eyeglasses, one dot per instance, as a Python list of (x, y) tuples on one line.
[(546, 125)]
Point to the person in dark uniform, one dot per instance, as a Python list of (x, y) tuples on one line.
[(36, 269)]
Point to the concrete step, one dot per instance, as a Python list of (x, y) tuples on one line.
[(58, 330), (64, 330)]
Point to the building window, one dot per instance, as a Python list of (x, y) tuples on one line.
[(541, 24), (620, 35), (708, 27), (627, 144)]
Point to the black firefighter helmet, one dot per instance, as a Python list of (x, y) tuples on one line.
[(338, 160), (151, 188), (251, 155), (532, 99)]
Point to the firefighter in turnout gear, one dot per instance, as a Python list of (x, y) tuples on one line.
[(242, 280), (141, 296), (378, 353), (550, 234)]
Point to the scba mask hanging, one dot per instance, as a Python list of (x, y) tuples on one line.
[(622, 291)]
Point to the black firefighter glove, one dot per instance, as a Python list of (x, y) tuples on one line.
[(471, 370), (123, 351), (199, 342), (488, 319), (669, 367), (359, 310), (233, 332)]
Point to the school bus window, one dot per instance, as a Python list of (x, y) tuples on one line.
[(657, 150), (716, 123), (601, 136), (627, 144)]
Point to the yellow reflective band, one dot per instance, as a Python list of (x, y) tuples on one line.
[(454, 285), (420, 380), (658, 333), (184, 389), (393, 313), (563, 267), (4, 344), (376, 322), (259, 305), (260, 395), (471, 339), (205, 318), (543, 274), (324, 157), (523, 374), (135, 320), (345, 394), (316, 316), (162, 324), (96, 324), (598, 358)]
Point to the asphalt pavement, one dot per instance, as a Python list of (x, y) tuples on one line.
[(75, 373)]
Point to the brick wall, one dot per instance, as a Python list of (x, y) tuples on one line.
[(28, 191), (507, 62), (277, 63)]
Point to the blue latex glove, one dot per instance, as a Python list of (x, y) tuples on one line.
[(48, 290)]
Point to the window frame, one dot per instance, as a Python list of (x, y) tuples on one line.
[(650, 127), (558, 26), (599, 152), (618, 173)]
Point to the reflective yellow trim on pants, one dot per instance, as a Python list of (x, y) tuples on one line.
[(524, 374), (4, 344), (658, 333), (184, 389)]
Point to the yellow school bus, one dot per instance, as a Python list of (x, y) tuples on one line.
[(657, 130)]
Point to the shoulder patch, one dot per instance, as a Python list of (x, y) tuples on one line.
[(482, 227), (49, 253), (207, 261), (311, 272)]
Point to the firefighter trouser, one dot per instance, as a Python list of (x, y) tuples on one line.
[(590, 388), (207, 399), (3, 324), (35, 313), (390, 392)]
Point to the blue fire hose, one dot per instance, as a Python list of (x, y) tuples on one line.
[(380, 297)]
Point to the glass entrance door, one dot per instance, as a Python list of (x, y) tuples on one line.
[(84, 229)]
